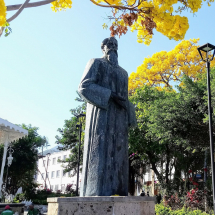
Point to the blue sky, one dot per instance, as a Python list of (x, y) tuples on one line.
[(43, 60)]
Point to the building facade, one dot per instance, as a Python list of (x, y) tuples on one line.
[(50, 172)]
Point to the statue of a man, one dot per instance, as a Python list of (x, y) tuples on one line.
[(104, 86)]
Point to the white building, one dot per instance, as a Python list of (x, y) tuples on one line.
[(54, 179)]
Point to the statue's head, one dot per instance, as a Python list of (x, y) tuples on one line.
[(108, 45), (109, 48)]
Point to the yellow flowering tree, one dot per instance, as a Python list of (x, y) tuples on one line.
[(142, 16), (164, 66), (57, 5)]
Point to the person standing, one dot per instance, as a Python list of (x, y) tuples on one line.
[(33, 211), (7, 211)]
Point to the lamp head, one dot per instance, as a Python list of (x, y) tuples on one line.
[(206, 49), (10, 159)]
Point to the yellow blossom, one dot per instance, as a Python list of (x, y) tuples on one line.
[(164, 67), (59, 5), (3, 10)]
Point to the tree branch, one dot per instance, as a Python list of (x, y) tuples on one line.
[(1, 30), (33, 4), (18, 12)]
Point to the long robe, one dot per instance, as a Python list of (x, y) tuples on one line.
[(105, 162)]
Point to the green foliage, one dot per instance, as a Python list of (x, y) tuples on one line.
[(69, 138), (24, 163), (19, 198), (169, 119), (40, 196), (40, 202), (160, 209), (7, 28)]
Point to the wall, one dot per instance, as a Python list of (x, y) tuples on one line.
[(57, 182)]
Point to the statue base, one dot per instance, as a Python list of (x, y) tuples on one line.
[(102, 205)]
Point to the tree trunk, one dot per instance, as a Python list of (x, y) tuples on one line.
[(131, 183)]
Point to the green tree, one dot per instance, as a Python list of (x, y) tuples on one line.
[(69, 138), (24, 165), (172, 130)]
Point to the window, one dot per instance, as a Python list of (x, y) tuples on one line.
[(64, 157), (52, 187), (58, 174), (52, 174), (56, 187), (70, 155), (63, 187), (53, 161), (42, 176), (47, 175), (35, 177), (70, 173), (58, 159), (64, 173), (44, 163), (49, 162)]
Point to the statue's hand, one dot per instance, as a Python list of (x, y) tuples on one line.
[(119, 100)]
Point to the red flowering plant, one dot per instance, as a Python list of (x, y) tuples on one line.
[(193, 182), (174, 201), (45, 191), (48, 191), (192, 199), (69, 189), (58, 192), (133, 154), (195, 199)]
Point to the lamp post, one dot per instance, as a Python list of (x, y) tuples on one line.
[(79, 147), (47, 164), (206, 49), (9, 162)]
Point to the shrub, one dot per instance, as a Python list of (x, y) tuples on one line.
[(160, 209), (59, 191), (174, 202), (40, 202), (195, 199), (19, 198), (42, 195)]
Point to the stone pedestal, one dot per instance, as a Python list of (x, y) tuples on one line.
[(102, 205)]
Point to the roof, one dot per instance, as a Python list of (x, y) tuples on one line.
[(10, 132), (52, 150)]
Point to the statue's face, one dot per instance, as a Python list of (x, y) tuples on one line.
[(110, 46)]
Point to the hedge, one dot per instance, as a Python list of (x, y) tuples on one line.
[(160, 209)]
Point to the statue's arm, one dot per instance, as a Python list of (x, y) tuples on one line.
[(90, 90)]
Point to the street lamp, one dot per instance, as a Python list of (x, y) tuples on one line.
[(206, 49), (79, 147), (10, 158)]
